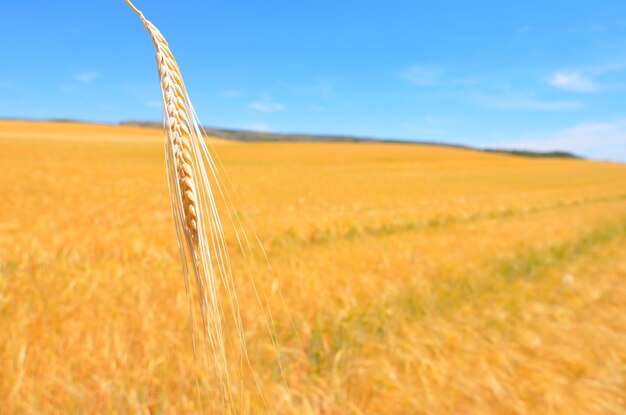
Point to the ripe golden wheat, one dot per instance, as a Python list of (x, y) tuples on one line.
[(194, 184)]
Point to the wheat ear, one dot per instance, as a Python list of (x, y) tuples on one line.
[(198, 225), (178, 123)]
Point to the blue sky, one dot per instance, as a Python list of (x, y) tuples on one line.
[(532, 74)]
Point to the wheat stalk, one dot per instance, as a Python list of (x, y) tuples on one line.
[(198, 225)]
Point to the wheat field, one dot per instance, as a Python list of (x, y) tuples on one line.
[(414, 279)]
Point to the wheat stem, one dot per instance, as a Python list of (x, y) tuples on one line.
[(198, 224)]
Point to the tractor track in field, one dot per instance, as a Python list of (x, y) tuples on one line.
[(448, 295), (358, 231)]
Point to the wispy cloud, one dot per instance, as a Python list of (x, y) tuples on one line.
[(421, 75), (514, 101), (87, 76), (153, 103), (258, 127), (584, 79), (67, 88), (319, 88), (230, 93), (267, 104), (426, 126), (423, 131), (573, 81), (430, 76), (601, 140)]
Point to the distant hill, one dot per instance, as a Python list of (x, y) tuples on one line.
[(248, 135), (256, 136), (528, 153)]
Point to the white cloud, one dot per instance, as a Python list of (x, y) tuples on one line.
[(513, 101), (267, 104), (584, 79), (153, 103), (421, 75), (230, 93), (67, 88), (573, 81), (422, 130), (319, 88), (601, 140), (87, 76), (428, 125), (258, 127), (432, 76), (325, 89)]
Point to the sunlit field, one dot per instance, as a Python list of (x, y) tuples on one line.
[(418, 279)]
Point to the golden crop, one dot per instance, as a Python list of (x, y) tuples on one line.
[(419, 279)]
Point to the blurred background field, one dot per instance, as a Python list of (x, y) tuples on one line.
[(420, 279)]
